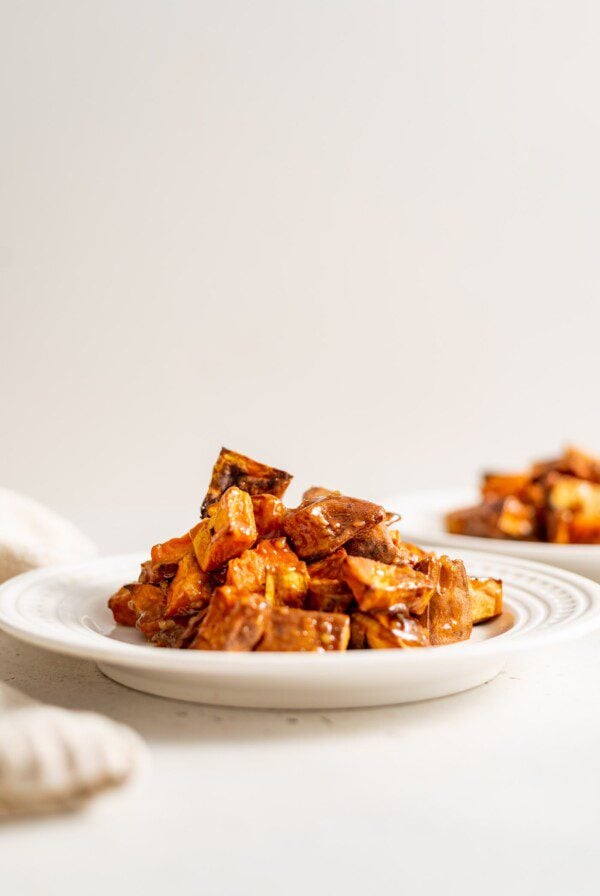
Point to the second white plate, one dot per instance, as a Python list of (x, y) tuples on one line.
[(64, 609), (423, 521)]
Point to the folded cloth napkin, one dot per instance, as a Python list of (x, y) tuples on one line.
[(52, 758)]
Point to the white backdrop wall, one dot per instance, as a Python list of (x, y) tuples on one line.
[(356, 239)]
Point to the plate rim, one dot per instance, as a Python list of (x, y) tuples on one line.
[(146, 657)]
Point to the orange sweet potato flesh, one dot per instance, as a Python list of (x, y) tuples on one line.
[(383, 630), (325, 525), (269, 513), (190, 590), (271, 557), (330, 567), (289, 629), (235, 621), (249, 475), (486, 599), (227, 532), (381, 586), (171, 551), (119, 604), (328, 596), (448, 613)]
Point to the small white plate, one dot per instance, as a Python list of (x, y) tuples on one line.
[(64, 609), (423, 521)]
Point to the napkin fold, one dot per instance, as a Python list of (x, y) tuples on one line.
[(52, 758)]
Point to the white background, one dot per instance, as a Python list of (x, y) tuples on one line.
[(358, 240)]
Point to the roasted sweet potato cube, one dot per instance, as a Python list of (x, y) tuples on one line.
[(375, 543), (305, 630), (576, 495), (486, 599), (249, 475), (322, 527), (120, 606), (505, 518), (290, 574), (155, 573), (144, 596), (328, 596), (330, 567), (449, 610), (408, 554), (495, 486), (228, 532), (235, 621), (386, 630), (190, 590), (247, 572), (271, 563), (171, 551), (269, 512), (381, 586)]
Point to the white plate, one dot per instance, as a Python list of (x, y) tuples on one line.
[(64, 609), (423, 521)]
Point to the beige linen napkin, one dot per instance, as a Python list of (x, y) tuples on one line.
[(52, 758)]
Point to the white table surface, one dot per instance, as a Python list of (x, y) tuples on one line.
[(492, 791)]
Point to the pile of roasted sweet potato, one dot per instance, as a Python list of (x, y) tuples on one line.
[(327, 575), (556, 500)]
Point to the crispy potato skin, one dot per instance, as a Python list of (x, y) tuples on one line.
[(486, 599), (449, 610), (381, 586), (325, 525), (119, 604), (375, 543), (249, 475), (289, 629), (228, 532), (382, 630), (235, 621)]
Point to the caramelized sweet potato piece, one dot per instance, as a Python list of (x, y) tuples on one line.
[(119, 604), (235, 621), (149, 604), (504, 518), (305, 630), (290, 575), (190, 590), (449, 610), (271, 561), (381, 586), (496, 486), (249, 475), (375, 543), (328, 596), (269, 512), (330, 567), (408, 554), (322, 527), (386, 630), (155, 573), (178, 632), (486, 599), (228, 532), (171, 551)]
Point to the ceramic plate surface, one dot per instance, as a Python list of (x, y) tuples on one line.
[(64, 609), (423, 521)]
